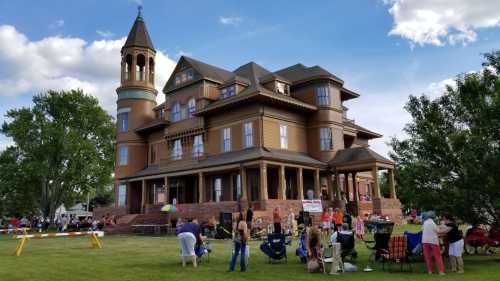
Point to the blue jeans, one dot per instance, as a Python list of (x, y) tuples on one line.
[(238, 247)]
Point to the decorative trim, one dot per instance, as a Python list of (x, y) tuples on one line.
[(135, 94)]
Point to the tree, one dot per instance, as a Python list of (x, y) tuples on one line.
[(450, 161), (63, 149)]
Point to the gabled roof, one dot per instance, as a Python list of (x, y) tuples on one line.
[(138, 35), (355, 155), (208, 71), (299, 73)]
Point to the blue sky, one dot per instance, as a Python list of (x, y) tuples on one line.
[(385, 50)]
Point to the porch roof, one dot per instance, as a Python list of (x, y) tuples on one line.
[(257, 153), (358, 159)]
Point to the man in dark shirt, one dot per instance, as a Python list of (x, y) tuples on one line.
[(193, 227), (249, 218)]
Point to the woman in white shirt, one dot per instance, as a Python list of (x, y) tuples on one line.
[(430, 242)]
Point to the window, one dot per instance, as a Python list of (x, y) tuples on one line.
[(184, 76), (218, 189), (122, 194), (228, 92), (281, 88), (190, 74), (248, 131), (198, 146), (176, 112), (284, 136), (325, 138), (162, 113), (123, 155), (191, 107), (226, 139), (323, 95), (177, 150), (152, 154), (177, 79), (123, 119)]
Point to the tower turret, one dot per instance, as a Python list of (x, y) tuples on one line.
[(136, 99)]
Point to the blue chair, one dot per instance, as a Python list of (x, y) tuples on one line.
[(275, 247)]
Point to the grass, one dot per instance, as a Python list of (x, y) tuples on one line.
[(148, 258)]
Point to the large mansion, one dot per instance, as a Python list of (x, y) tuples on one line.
[(227, 139)]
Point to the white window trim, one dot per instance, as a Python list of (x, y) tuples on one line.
[(284, 136), (177, 150), (121, 160), (198, 149), (248, 136), (228, 147)]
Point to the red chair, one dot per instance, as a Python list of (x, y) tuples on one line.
[(397, 253)]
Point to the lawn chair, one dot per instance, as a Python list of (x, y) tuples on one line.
[(397, 253), (275, 247), (347, 244), (333, 255), (187, 241), (203, 250), (414, 243)]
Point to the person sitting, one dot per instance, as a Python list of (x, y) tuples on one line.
[(189, 236), (347, 241)]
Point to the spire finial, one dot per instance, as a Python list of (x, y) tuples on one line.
[(139, 11)]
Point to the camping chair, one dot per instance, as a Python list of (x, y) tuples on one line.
[(396, 253), (333, 255), (275, 247), (301, 250), (378, 246), (187, 241), (414, 243), (203, 250), (347, 244)]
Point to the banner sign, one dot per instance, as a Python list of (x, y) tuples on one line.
[(312, 206)]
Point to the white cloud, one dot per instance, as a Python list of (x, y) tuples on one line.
[(438, 22), (56, 24), (64, 63), (105, 33), (234, 21), (436, 89)]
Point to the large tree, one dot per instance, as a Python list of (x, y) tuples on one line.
[(450, 161), (63, 149)]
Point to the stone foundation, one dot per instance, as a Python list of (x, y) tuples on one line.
[(390, 207)]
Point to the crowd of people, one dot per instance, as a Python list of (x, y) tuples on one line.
[(62, 223)]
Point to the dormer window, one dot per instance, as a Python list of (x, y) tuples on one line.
[(282, 88), (184, 76), (228, 92)]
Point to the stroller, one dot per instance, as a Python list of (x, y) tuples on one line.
[(274, 247)]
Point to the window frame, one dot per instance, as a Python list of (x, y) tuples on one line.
[(191, 106), (176, 111), (198, 148), (226, 139), (325, 138), (283, 136), (122, 155), (176, 153), (122, 195), (248, 134), (228, 92), (323, 95), (122, 116)]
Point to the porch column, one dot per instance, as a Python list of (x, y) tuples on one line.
[(355, 187), (263, 181), (317, 183), (329, 184), (201, 187), (281, 183), (347, 188), (243, 183), (143, 197), (337, 186), (300, 184), (392, 187), (376, 189), (166, 191)]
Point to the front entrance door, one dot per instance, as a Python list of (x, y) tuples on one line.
[(135, 198)]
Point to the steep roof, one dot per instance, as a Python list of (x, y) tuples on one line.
[(138, 35), (209, 71), (298, 73), (362, 130)]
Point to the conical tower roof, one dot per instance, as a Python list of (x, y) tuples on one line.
[(138, 35)]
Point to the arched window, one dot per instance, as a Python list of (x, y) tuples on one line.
[(151, 71), (191, 106), (127, 67), (140, 67), (176, 112)]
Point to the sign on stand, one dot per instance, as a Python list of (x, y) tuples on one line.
[(312, 206)]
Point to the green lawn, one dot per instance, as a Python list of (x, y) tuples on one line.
[(156, 258)]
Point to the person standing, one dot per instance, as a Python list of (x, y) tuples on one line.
[(456, 247), (240, 236), (277, 220), (249, 219), (430, 242), (339, 219), (359, 227)]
